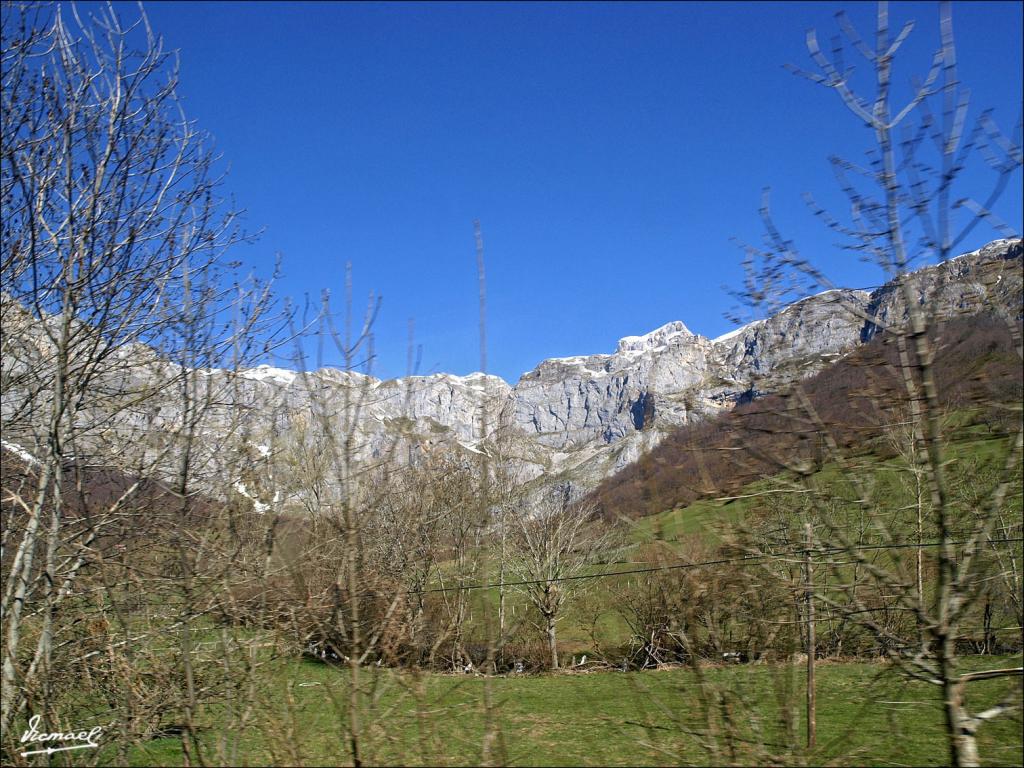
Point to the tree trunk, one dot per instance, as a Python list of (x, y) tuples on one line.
[(811, 714), (552, 645), (963, 745), (500, 661), (960, 728)]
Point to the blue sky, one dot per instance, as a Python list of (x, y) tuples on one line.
[(610, 151)]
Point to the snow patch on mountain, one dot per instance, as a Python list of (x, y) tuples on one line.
[(736, 332), (659, 337), (259, 507), (269, 373), (995, 245), (21, 453)]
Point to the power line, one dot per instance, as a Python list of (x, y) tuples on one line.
[(744, 561)]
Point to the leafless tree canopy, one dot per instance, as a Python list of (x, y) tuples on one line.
[(906, 205)]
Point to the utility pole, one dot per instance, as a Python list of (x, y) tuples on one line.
[(811, 724)]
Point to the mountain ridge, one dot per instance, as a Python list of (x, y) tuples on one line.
[(575, 419)]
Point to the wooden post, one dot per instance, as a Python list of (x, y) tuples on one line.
[(811, 724)]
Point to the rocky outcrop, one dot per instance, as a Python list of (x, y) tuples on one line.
[(988, 278), (803, 335), (596, 413), (565, 403)]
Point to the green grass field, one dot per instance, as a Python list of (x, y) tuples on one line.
[(711, 519), (867, 714), (707, 524), (744, 714)]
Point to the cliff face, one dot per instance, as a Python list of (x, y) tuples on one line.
[(984, 279), (580, 418), (584, 417), (597, 413)]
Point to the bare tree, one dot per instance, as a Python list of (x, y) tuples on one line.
[(553, 540), (116, 313), (457, 492), (905, 208)]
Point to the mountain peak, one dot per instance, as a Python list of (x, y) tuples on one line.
[(660, 337)]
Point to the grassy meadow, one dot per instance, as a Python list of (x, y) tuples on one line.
[(867, 714), (296, 711)]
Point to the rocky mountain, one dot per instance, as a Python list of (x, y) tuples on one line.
[(977, 373), (594, 414), (578, 418)]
